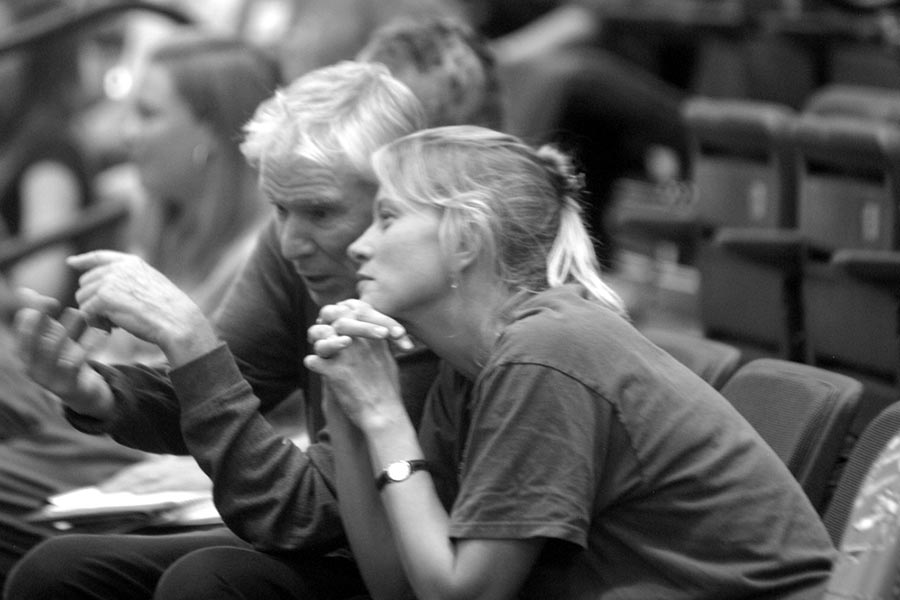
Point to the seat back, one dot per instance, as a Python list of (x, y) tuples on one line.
[(848, 182), (864, 101), (743, 176), (803, 412), (849, 207), (868, 563), (741, 170), (860, 459), (715, 362)]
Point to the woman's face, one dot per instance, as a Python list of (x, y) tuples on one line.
[(169, 146), (403, 269)]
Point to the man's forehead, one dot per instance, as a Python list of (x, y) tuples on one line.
[(298, 178)]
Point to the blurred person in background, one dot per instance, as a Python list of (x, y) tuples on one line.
[(197, 92), (323, 32), (196, 201), (44, 175), (611, 97), (198, 207)]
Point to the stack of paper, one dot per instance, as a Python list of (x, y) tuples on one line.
[(187, 508)]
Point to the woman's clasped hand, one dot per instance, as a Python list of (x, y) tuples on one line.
[(352, 344)]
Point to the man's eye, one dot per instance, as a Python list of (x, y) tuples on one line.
[(280, 211)]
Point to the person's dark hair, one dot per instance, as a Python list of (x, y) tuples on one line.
[(446, 63), (49, 70), (223, 79)]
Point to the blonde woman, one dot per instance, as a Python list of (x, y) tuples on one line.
[(561, 454)]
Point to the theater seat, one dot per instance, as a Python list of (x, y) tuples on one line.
[(803, 412), (744, 179), (741, 173), (713, 361), (864, 101), (868, 562), (861, 457), (849, 212)]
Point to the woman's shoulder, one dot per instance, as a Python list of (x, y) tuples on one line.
[(565, 309), (559, 326)]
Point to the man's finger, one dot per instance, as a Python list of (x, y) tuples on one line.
[(29, 298), (95, 258), (26, 324), (74, 321)]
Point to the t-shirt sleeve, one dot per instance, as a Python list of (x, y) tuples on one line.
[(533, 457)]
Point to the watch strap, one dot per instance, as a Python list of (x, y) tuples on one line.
[(414, 465)]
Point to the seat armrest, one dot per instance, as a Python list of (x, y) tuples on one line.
[(675, 223), (784, 248), (881, 267)]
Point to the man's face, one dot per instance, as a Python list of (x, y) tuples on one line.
[(319, 214)]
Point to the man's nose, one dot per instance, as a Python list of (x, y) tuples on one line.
[(296, 240)]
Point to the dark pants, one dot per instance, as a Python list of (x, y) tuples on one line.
[(212, 564)]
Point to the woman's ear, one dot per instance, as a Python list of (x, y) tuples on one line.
[(466, 253)]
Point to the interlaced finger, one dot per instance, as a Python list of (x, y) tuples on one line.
[(331, 346)]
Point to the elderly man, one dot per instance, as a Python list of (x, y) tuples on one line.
[(311, 142)]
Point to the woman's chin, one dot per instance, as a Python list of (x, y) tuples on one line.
[(378, 302)]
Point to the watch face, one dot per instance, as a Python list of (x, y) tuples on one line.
[(399, 471)]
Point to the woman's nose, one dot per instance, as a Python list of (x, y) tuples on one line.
[(360, 249), (295, 241)]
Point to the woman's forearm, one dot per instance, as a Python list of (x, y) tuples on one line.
[(362, 512), (416, 517), (437, 566)]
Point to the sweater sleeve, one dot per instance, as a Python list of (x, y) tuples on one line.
[(263, 319), (268, 491)]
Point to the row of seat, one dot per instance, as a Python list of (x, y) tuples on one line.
[(794, 228), (805, 412)]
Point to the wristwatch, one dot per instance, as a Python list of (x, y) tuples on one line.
[(400, 471)]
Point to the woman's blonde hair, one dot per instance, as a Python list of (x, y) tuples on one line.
[(517, 205)]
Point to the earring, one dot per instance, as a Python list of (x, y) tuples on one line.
[(200, 156), (454, 282)]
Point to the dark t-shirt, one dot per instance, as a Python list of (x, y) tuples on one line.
[(644, 479)]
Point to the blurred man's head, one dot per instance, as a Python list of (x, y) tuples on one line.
[(311, 143)]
